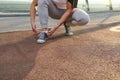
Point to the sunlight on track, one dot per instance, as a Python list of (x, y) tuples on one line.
[(115, 29)]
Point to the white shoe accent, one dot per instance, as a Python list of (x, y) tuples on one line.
[(41, 41), (42, 38), (69, 33)]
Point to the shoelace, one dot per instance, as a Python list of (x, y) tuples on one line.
[(43, 35)]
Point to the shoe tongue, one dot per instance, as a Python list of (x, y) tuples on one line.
[(44, 33)]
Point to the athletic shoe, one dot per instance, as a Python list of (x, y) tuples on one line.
[(42, 38), (68, 30)]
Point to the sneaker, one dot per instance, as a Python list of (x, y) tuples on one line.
[(42, 38), (68, 30)]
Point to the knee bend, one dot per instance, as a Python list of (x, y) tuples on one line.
[(80, 16), (80, 22), (83, 21)]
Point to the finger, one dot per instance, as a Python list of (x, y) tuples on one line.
[(50, 31), (34, 30), (49, 34)]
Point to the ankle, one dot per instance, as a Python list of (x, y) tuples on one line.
[(44, 29)]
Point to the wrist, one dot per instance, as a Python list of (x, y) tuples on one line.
[(32, 22), (56, 27)]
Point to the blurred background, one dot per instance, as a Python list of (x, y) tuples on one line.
[(14, 6), (88, 5)]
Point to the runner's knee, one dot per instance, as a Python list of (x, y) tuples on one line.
[(80, 17)]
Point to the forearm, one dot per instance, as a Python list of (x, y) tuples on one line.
[(32, 13), (64, 18), (32, 16), (65, 15)]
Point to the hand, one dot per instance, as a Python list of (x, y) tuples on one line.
[(34, 28), (51, 31)]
